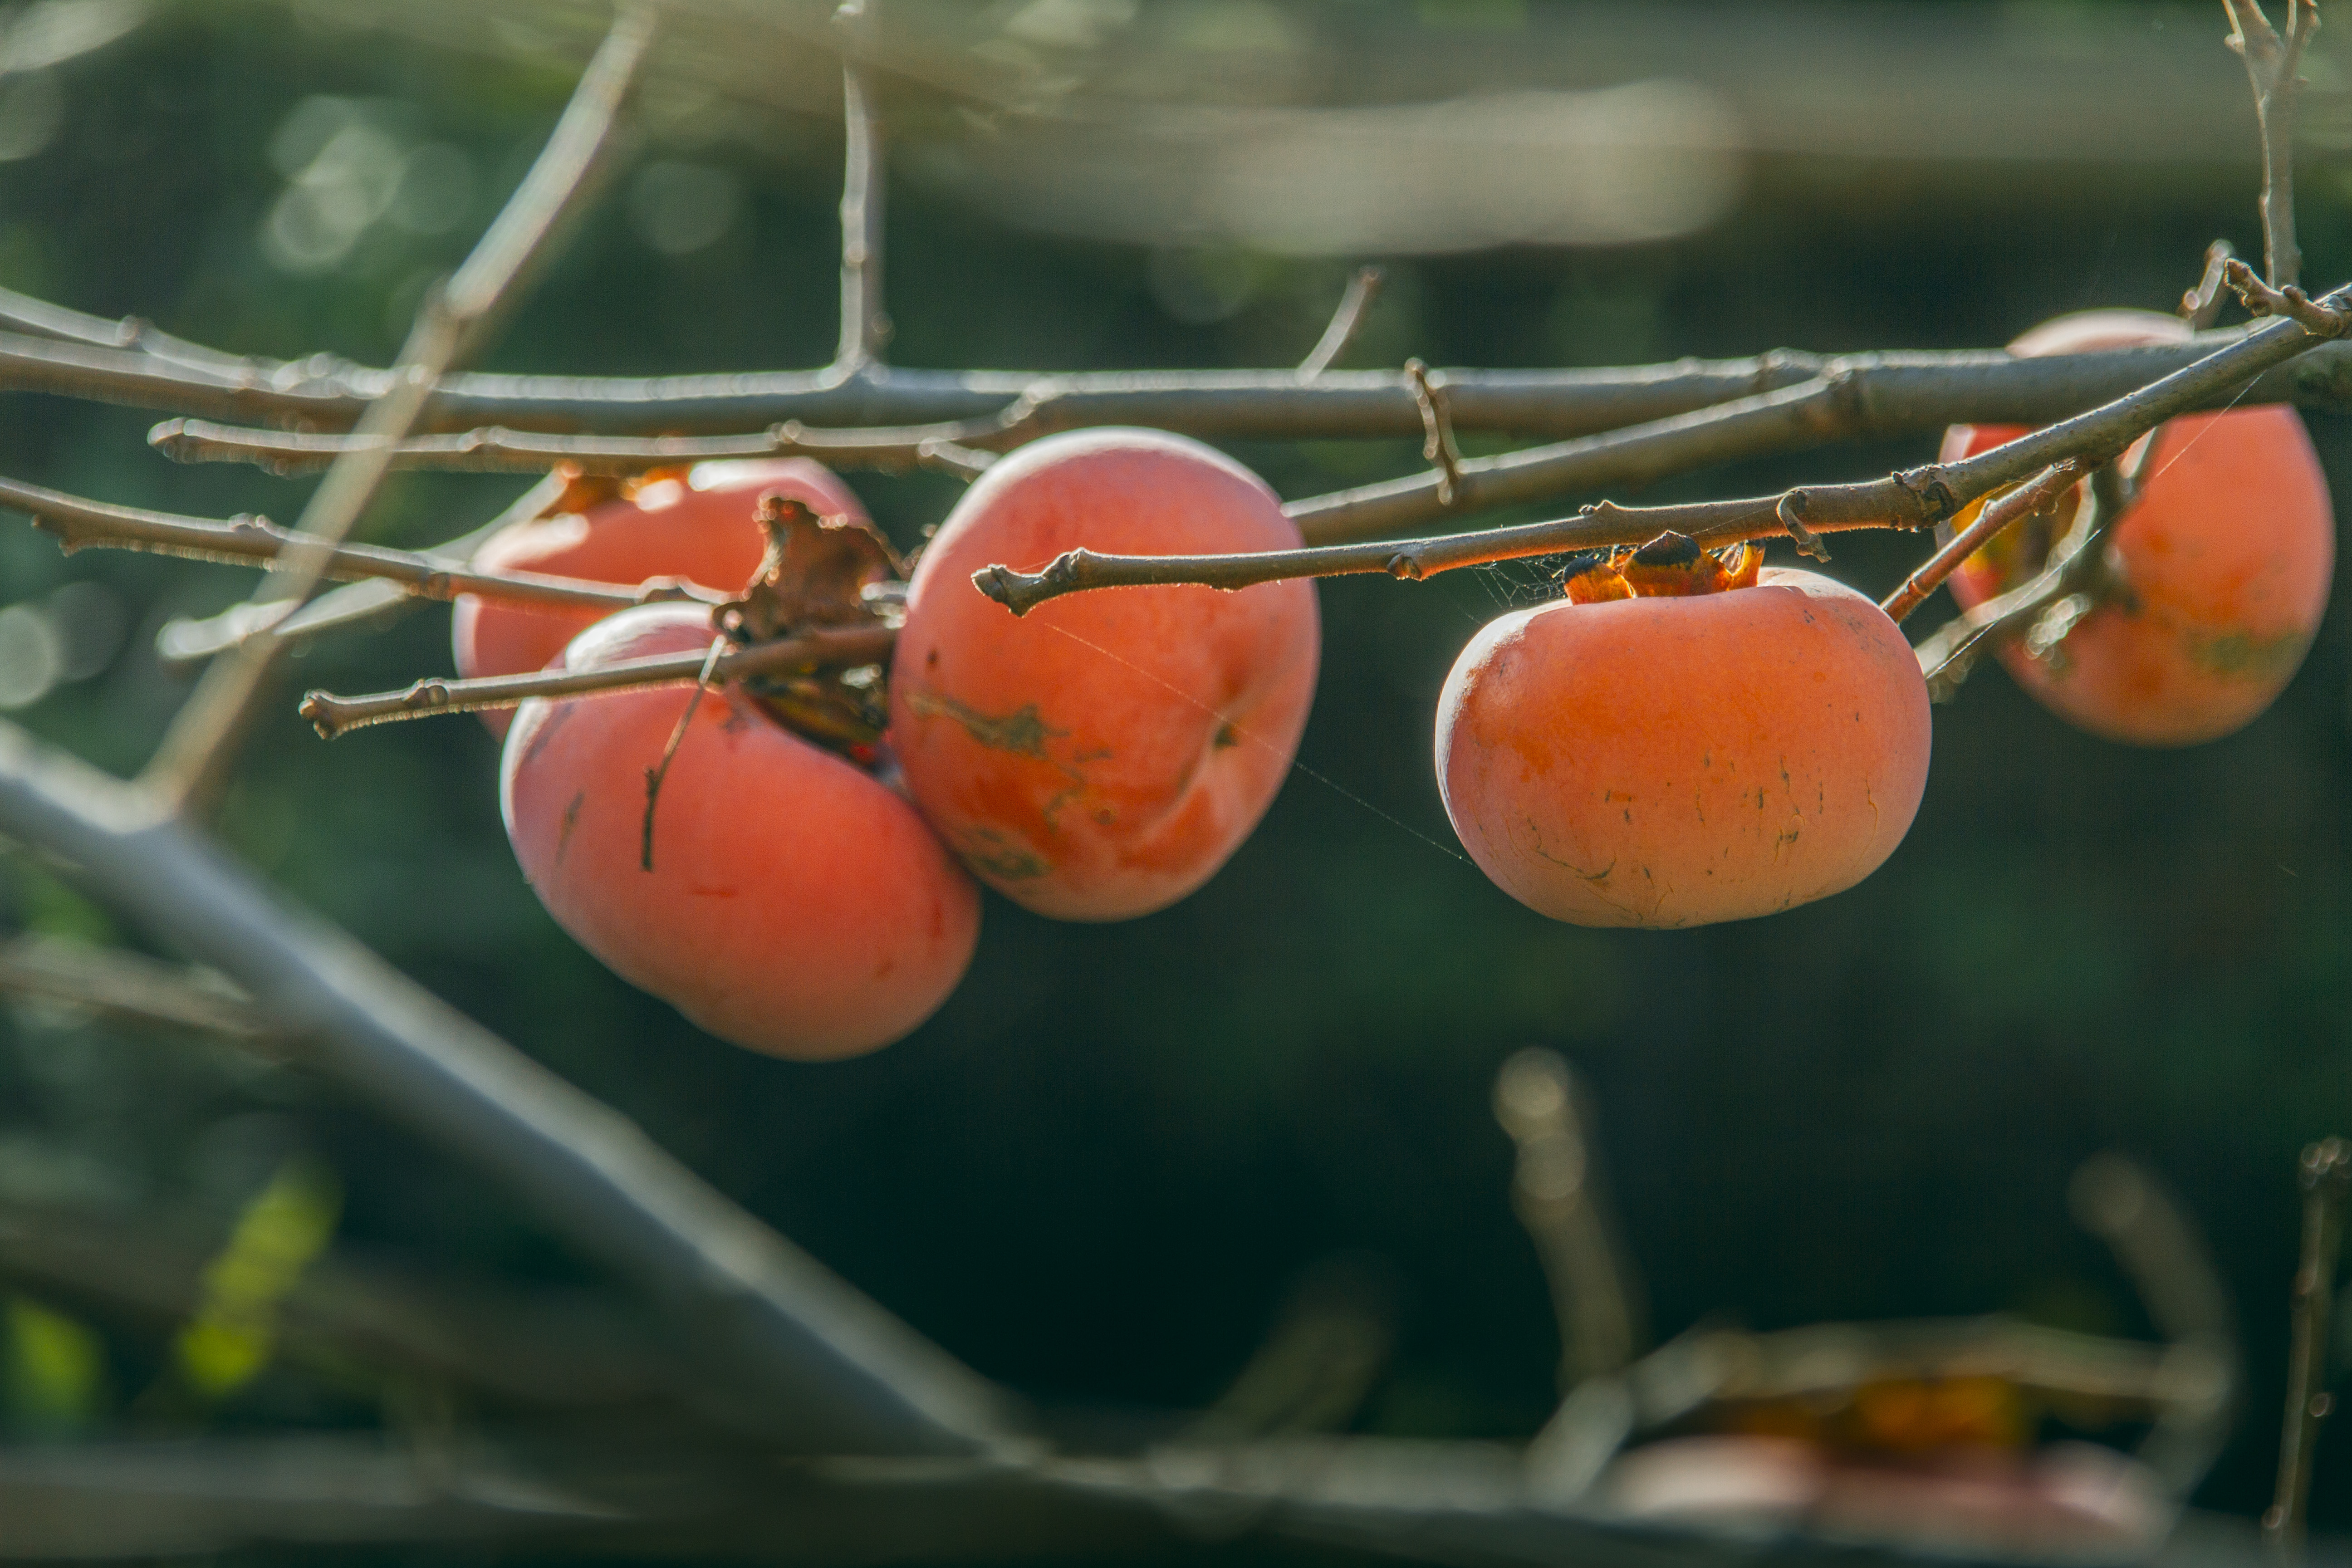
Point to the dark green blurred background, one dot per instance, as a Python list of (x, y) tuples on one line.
[(1096, 1171)]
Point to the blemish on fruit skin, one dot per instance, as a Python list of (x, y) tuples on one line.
[(1226, 736), (570, 820), (1023, 731), (990, 855)]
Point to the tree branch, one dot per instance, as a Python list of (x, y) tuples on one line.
[(1915, 498), (81, 357), (785, 1347), (960, 447), (2272, 67), (184, 640), (2326, 1176), (190, 765), (864, 324), (1346, 322), (85, 524), (1995, 520), (334, 716)]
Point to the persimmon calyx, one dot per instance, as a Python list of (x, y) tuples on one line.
[(819, 572), (1671, 566)]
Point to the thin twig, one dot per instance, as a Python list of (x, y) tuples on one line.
[(1997, 518), (184, 640), (190, 765), (1915, 498), (2272, 67), (865, 325), (248, 540), (1347, 321), (836, 648), (2080, 574), (2201, 306), (2327, 1176), (783, 1346)]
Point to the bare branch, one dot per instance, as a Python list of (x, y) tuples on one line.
[(2272, 67), (181, 640), (2080, 574), (955, 447), (1915, 498), (1346, 322), (787, 1348), (1887, 389), (248, 540), (2327, 1176), (128, 985), (836, 648), (2201, 306), (190, 765), (864, 324), (1996, 519)]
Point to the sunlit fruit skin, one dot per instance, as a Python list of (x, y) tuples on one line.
[(2227, 555), (1672, 762), (701, 528), (796, 905), (1101, 756)]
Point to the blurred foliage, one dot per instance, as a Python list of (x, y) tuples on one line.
[(1092, 1175)]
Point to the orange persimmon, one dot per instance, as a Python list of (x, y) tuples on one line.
[(1692, 748), (779, 896), (1101, 756), (2225, 562)]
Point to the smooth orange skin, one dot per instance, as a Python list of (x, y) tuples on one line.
[(1674, 761), (797, 906), (2230, 553), (701, 529), (1101, 757)]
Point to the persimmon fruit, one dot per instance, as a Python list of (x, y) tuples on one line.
[(1683, 739), (792, 903), (698, 527), (1101, 756), (2225, 563)]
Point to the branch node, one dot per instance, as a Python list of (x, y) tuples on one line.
[(1437, 444), (1405, 566), (1790, 511), (2261, 298), (2201, 306)]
